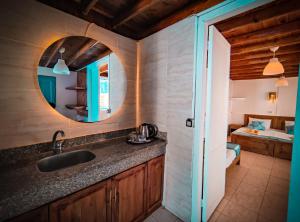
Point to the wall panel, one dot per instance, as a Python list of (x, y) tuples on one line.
[(166, 93)]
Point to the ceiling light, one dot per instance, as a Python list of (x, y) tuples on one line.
[(274, 67), (61, 67), (281, 82)]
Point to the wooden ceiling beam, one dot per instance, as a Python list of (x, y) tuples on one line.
[(292, 57), (260, 72), (132, 11), (190, 9), (285, 64), (73, 8), (288, 41), (259, 77), (87, 5), (103, 10), (83, 49), (280, 31), (259, 67), (249, 70), (286, 74), (100, 56), (267, 53), (54, 51), (265, 16)]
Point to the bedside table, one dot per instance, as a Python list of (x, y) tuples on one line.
[(233, 127)]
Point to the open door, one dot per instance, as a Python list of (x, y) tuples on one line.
[(216, 121)]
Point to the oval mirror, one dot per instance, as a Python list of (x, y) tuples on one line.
[(82, 79)]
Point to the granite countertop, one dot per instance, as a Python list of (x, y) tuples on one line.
[(24, 187)]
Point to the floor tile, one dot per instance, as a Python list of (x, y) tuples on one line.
[(162, 214), (239, 213), (251, 202), (270, 214), (280, 173), (214, 216), (282, 163), (265, 162), (256, 179), (229, 192), (224, 218), (274, 201), (250, 189), (150, 219), (237, 172), (258, 192), (222, 205), (278, 186)]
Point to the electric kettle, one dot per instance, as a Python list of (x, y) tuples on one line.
[(147, 130)]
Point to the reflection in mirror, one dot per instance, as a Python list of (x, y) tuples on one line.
[(82, 79)]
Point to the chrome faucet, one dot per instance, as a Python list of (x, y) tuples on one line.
[(57, 146)]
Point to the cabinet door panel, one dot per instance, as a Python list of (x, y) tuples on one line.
[(130, 195), (89, 205), (155, 183)]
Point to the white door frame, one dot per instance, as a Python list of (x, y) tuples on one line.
[(208, 17)]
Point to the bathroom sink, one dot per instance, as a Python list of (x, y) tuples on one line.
[(64, 160)]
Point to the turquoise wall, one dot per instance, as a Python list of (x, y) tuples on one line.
[(294, 195)]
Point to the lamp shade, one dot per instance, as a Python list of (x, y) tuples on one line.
[(61, 67), (281, 82), (274, 67)]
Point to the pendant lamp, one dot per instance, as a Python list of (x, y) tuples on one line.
[(281, 82), (61, 67), (274, 67)]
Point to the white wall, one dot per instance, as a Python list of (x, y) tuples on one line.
[(63, 96), (254, 98), (165, 68)]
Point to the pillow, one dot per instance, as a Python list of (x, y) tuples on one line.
[(258, 125), (289, 123), (266, 121), (289, 129)]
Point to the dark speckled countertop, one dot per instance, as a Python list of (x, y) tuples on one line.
[(23, 187)]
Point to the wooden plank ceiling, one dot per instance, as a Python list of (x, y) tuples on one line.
[(135, 19), (252, 33), (79, 52)]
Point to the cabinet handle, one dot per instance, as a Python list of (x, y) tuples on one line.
[(109, 196), (115, 195)]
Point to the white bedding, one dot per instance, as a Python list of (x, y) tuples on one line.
[(270, 133), (230, 156)]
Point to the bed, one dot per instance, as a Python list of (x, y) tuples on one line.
[(233, 156), (273, 142)]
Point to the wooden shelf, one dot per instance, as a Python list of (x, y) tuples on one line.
[(75, 88), (82, 112), (76, 107), (104, 73)]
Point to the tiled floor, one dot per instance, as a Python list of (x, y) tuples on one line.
[(162, 215), (256, 191)]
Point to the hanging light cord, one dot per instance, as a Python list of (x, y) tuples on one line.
[(87, 28)]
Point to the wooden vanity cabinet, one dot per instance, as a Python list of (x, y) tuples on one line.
[(155, 175), (92, 204), (127, 197), (129, 189)]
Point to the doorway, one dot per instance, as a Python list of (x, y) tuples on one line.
[(203, 87)]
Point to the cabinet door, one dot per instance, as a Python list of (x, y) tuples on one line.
[(129, 189), (155, 180), (40, 215), (89, 205)]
